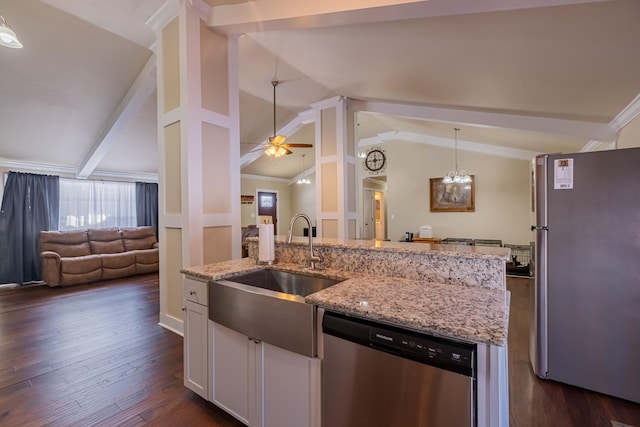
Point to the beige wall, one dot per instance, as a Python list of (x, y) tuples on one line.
[(629, 136), (502, 202), (303, 199), (249, 186)]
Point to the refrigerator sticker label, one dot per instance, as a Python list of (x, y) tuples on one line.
[(563, 174)]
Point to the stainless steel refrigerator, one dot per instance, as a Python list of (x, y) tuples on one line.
[(586, 325)]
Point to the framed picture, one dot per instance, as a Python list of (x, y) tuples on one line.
[(456, 197)]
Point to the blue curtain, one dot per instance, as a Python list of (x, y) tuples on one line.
[(147, 204), (30, 204)]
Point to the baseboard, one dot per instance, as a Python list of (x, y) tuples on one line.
[(171, 323)]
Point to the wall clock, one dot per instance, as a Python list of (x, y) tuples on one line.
[(375, 161)]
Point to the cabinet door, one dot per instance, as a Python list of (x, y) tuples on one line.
[(195, 348), (291, 388), (233, 372)]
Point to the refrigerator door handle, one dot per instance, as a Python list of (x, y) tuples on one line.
[(539, 227)]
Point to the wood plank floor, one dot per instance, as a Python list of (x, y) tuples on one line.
[(95, 355)]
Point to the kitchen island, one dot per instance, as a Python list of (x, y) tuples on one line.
[(442, 290)]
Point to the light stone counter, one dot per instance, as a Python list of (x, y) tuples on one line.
[(469, 313), (449, 290)]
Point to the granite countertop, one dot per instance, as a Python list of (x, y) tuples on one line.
[(225, 269), (465, 312), (465, 251)]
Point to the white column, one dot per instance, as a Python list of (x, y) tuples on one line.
[(335, 169), (199, 151)]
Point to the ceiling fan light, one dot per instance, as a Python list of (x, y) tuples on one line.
[(275, 151), (7, 37)]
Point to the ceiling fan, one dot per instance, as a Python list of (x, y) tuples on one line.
[(276, 146)]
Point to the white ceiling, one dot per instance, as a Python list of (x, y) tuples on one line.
[(483, 71)]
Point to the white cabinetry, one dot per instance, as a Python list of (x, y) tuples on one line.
[(232, 372), (263, 385), (196, 316)]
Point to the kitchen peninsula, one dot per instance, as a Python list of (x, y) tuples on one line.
[(450, 291)]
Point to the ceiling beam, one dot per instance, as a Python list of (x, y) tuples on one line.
[(494, 150), (270, 15), (136, 96), (574, 128)]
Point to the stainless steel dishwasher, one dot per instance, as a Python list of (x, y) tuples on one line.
[(379, 375)]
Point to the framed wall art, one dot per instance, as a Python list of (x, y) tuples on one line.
[(454, 197)]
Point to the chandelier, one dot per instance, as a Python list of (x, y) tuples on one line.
[(456, 176), (303, 179), (7, 37)]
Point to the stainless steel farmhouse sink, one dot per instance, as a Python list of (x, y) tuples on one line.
[(285, 282), (268, 305)]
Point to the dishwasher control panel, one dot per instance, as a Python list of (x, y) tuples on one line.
[(425, 348), (441, 352)]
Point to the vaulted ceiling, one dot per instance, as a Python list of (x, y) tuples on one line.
[(517, 77)]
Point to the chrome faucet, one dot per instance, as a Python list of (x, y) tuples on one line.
[(312, 257)]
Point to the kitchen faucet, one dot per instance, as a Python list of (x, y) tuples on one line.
[(312, 258)]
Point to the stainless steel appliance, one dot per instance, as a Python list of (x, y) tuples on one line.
[(380, 375), (586, 326)]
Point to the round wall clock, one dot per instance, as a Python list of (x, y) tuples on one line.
[(376, 160)]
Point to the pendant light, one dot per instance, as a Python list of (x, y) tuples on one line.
[(456, 176), (275, 147), (303, 179), (7, 37)]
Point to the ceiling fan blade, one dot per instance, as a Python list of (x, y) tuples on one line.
[(293, 145), (277, 140), (288, 151)]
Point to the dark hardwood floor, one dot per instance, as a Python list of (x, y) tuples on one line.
[(95, 355), (534, 402)]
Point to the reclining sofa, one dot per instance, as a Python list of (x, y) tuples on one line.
[(85, 256)]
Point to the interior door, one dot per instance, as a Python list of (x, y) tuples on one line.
[(369, 211), (268, 205)]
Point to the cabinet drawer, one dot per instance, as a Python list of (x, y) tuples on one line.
[(196, 291)]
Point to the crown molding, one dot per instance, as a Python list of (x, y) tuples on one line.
[(70, 171)]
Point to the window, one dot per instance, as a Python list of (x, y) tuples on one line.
[(96, 204)]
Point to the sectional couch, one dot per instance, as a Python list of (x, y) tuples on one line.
[(85, 256)]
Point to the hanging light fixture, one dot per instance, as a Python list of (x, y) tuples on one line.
[(456, 176), (303, 179), (7, 37), (275, 147)]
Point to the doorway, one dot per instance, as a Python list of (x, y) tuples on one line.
[(373, 215), (268, 206), (369, 222)]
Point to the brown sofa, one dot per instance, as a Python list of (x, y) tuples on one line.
[(85, 256)]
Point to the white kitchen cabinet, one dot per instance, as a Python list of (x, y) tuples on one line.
[(263, 385), (232, 372), (195, 347), (291, 388)]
